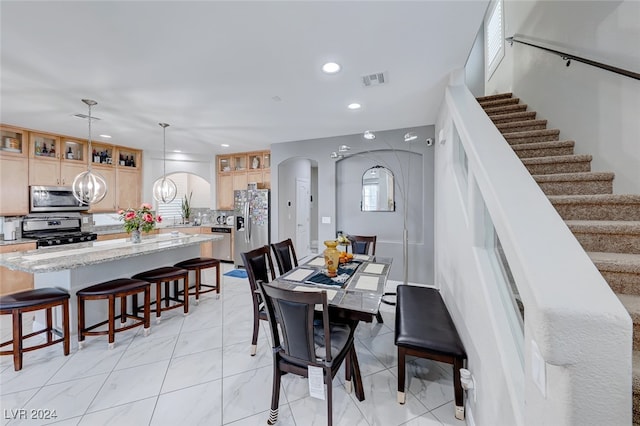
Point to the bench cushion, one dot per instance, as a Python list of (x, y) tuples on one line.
[(423, 322), (166, 273), (34, 297), (113, 287), (198, 262)]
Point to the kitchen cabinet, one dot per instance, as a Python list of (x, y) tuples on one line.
[(128, 188), (13, 141), (54, 160), (235, 171), (14, 178), (13, 281), (108, 203)]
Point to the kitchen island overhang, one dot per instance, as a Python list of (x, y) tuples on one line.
[(75, 266)]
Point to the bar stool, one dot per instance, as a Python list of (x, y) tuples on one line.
[(33, 300), (165, 275), (197, 264), (111, 290)]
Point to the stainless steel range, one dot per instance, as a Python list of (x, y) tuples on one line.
[(50, 229)]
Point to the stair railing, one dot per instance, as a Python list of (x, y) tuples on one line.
[(570, 57)]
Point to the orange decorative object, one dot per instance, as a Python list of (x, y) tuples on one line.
[(331, 258)]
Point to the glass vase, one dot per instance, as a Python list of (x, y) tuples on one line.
[(136, 237), (331, 258)]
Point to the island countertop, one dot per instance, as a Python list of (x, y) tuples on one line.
[(72, 256)]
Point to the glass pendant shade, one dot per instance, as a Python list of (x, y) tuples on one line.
[(164, 190), (89, 187)]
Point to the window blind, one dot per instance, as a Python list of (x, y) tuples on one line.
[(494, 37)]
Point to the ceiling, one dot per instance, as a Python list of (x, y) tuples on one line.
[(246, 74)]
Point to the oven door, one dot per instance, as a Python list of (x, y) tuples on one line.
[(54, 199)]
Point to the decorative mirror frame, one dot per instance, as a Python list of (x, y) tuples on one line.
[(373, 202)]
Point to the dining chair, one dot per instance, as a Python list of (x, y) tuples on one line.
[(285, 255), (361, 244), (259, 266), (299, 341)]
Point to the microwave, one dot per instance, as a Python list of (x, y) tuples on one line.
[(54, 199)]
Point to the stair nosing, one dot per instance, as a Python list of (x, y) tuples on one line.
[(554, 159), (542, 145), (574, 177)]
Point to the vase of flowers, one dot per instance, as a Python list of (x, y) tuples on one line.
[(139, 220)]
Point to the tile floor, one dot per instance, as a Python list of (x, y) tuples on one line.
[(197, 370)]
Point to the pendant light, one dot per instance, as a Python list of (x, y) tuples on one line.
[(89, 187), (164, 190)]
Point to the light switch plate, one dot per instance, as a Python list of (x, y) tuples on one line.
[(538, 369), (326, 219)]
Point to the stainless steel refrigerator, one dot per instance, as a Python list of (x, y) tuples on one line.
[(252, 228)]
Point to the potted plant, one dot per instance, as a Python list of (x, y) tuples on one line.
[(186, 208)]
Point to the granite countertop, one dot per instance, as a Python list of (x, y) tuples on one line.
[(71, 256)]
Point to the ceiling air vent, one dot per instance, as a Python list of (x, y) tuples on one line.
[(374, 79)]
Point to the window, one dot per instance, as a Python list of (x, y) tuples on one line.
[(494, 37)]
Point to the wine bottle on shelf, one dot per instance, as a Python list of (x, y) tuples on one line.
[(45, 150), (70, 154)]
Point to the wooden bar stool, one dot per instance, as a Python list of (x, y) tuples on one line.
[(111, 290), (197, 264), (33, 300), (165, 275)]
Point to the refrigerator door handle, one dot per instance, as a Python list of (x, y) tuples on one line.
[(250, 224), (247, 222)]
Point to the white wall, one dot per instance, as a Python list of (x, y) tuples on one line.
[(596, 108), (288, 171)]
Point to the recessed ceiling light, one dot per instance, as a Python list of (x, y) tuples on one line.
[(331, 68), (354, 106), (106, 136), (224, 145)]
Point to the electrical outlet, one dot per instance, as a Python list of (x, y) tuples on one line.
[(326, 219)]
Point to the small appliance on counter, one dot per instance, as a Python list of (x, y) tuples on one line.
[(10, 229), (229, 220)]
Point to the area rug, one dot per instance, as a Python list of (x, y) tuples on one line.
[(237, 273)]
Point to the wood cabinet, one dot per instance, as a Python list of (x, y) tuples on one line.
[(14, 172), (128, 189), (123, 177), (13, 281), (13, 141), (236, 171), (108, 203)]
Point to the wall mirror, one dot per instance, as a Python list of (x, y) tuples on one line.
[(377, 190)]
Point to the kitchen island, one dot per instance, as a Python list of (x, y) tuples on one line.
[(75, 266)]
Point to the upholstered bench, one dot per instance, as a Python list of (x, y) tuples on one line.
[(197, 264), (165, 275), (424, 329)]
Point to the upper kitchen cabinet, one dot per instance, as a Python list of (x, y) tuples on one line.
[(102, 155), (13, 142), (224, 164), (237, 170), (55, 160), (128, 158)]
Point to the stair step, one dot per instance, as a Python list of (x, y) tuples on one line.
[(620, 270), (613, 236), (514, 116), (632, 304), (544, 149), (597, 206), (494, 97), (521, 126), (530, 136), (505, 109), (499, 102), (558, 164), (576, 183)]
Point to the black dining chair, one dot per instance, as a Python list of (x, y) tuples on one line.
[(285, 255), (361, 244), (300, 341), (259, 266)]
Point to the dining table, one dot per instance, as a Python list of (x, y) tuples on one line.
[(353, 295)]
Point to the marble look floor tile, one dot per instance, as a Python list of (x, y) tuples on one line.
[(428, 383), (170, 325), (297, 387), (135, 413), (446, 414), (383, 348), (68, 422), (13, 402), (193, 370), (67, 399), (241, 332), (198, 341), (311, 411), (146, 350), (35, 373), (89, 361), (196, 405), (285, 418), (129, 385), (207, 314), (380, 407), (426, 419), (237, 359), (246, 394), (368, 330)]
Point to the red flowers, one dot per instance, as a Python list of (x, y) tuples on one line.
[(141, 219)]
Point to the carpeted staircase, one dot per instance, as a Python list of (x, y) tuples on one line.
[(606, 225)]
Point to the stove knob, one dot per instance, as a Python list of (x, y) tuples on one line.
[(58, 242)]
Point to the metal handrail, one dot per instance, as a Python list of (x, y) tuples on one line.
[(569, 57)]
